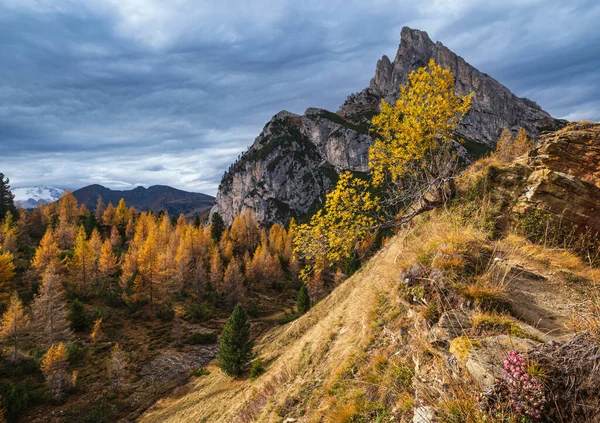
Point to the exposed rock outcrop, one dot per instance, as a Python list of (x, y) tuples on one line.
[(294, 162), (565, 177)]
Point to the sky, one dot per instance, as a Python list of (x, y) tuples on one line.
[(142, 92)]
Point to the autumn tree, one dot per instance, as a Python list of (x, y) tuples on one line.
[(47, 253), (504, 146), (96, 334), (7, 198), (522, 143), (99, 210), (49, 310), (9, 233), (115, 237), (14, 321), (81, 265), (233, 281), (107, 264), (109, 215), (117, 363), (55, 370), (122, 214), (235, 350), (413, 150), (216, 269), (412, 163), (245, 232), (7, 272), (68, 210)]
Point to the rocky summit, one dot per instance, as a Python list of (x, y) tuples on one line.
[(295, 160)]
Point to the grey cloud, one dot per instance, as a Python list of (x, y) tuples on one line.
[(88, 94)]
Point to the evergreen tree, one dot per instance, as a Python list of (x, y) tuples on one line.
[(235, 351), (78, 315), (217, 226), (7, 198), (303, 302), (14, 321)]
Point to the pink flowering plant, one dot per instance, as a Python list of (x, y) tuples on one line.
[(525, 392)]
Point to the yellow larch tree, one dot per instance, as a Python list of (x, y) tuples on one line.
[(82, 263), (504, 146), (522, 143), (116, 366), (14, 322), (216, 269), (7, 272), (55, 368), (108, 263), (47, 253), (115, 237), (109, 216), (9, 233), (49, 310), (68, 209), (122, 214), (99, 210), (233, 282)]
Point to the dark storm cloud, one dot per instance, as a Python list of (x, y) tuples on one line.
[(144, 91)]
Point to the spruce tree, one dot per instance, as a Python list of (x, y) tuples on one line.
[(217, 226), (303, 301), (235, 351), (7, 198)]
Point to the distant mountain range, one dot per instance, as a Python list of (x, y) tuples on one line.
[(155, 198), (31, 197)]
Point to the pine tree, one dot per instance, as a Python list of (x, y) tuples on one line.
[(55, 369), (68, 210), (522, 143), (14, 322), (235, 351), (78, 316), (116, 366), (7, 198), (217, 226), (504, 146), (303, 302), (49, 317)]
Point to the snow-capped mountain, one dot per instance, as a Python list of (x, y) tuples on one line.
[(31, 197)]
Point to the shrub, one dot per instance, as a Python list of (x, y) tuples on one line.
[(526, 392), (75, 352), (14, 399), (257, 369), (200, 371), (79, 317), (195, 311), (165, 312), (202, 338)]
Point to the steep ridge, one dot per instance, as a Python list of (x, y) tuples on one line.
[(295, 160)]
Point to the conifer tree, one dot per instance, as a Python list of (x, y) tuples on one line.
[(66, 233), (122, 214), (109, 215), (68, 210), (9, 233), (97, 333), (7, 198), (7, 272), (522, 143), (99, 210), (116, 366), (233, 281), (14, 322), (55, 369), (107, 264), (82, 263), (303, 302), (47, 253), (235, 351), (78, 316), (216, 269), (504, 146), (49, 310), (115, 237), (217, 226)]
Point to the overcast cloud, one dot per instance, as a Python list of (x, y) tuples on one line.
[(129, 92)]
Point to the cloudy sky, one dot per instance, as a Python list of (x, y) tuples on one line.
[(129, 92)]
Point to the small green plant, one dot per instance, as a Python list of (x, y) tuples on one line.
[(75, 352), (303, 301), (195, 311), (257, 369), (200, 371), (202, 338), (235, 350)]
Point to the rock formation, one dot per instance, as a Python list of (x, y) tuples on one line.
[(295, 160)]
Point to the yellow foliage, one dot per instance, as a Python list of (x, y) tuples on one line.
[(419, 127), (461, 346)]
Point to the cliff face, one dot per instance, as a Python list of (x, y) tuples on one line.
[(294, 162)]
